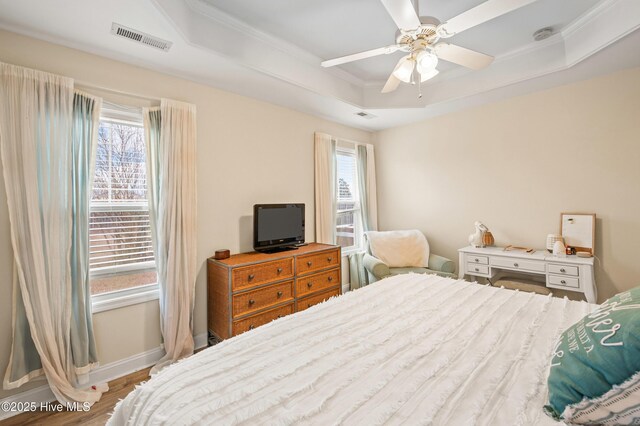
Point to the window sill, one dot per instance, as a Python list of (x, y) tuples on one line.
[(119, 299)]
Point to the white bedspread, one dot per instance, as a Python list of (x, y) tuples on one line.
[(410, 349)]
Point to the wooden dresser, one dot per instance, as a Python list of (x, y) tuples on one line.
[(251, 289)]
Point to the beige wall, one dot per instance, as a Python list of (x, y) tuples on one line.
[(516, 165), (248, 152)]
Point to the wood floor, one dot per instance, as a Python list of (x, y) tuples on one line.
[(97, 415)]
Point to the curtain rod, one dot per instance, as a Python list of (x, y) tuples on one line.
[(84, 84)]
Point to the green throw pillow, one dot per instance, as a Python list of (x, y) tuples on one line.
[(595, 369)]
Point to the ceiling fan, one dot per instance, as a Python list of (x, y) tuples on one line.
[(420, 38)]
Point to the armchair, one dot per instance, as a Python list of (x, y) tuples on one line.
[(377, 269)]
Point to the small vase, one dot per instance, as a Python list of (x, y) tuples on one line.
[(559, 249), (487, 238), (551, 240)]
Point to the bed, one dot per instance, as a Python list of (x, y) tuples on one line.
[(410, 349)]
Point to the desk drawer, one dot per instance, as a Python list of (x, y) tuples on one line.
[(518, 264), (481, 260), (473, 269), (560, 281), (563, 269)]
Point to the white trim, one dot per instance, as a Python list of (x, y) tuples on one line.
[(121, 298), (103, 374)]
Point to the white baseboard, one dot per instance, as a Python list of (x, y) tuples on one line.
[(101, 374)]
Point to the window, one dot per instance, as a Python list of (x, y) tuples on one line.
[(348, 222), (120, 250)]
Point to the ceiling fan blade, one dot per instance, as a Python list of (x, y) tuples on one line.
[(392, 84), (402, 13), (482, 13), (362, 55), (462, 56)]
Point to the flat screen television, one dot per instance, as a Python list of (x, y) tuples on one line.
[(277, 226)]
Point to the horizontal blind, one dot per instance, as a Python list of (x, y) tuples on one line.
[(119, 228), (119, 237)]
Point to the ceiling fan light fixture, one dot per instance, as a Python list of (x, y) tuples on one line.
[(427, 75), (426, 61), (404, 69)]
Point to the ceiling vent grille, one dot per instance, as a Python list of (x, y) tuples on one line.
[(140, 37), (365, 115)]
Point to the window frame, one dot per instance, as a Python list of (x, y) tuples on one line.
[(100, 302), (343, 150)]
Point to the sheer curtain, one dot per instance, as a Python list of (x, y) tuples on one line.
[(41, 156), (84, 137), (368, 210), (325, 188), (170, 133), (367, 185)]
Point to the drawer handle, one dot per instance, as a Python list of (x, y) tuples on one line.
[(330, 278), (251, 302), (251, 327), (329, 259), (280, 316), (279, 270), (515, 265), (477, 270), (251, 276), (279, 294), (563, 282), (477, 260), (309, 263), (309, 285), (563, 270)]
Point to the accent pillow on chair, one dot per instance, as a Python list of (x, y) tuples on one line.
[(399, 248), (595, 370)]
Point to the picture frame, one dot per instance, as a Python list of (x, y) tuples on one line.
[(578, 231)]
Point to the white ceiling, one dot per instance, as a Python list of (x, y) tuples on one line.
[(334, 28), (271, 50)]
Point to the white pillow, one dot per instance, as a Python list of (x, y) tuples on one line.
[(400, 248)]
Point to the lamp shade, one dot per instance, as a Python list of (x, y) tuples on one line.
[(426, 61), (404, 69), (426, 75)]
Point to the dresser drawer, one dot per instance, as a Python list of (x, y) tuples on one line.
[(473, 269), (482, 260), (246, 324), (317, 282), (253, 275), (309, 301), (316, 262), (264, 297), (518, 264), (563, 269), (560, 281)]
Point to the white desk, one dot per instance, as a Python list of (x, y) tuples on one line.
[(570, 273)]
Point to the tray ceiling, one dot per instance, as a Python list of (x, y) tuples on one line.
[(333, 28), (271, 50)]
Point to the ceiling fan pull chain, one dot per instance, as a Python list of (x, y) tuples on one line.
[(419, 88)]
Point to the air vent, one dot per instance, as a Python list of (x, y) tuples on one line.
[(140, 37), (365, 115)]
